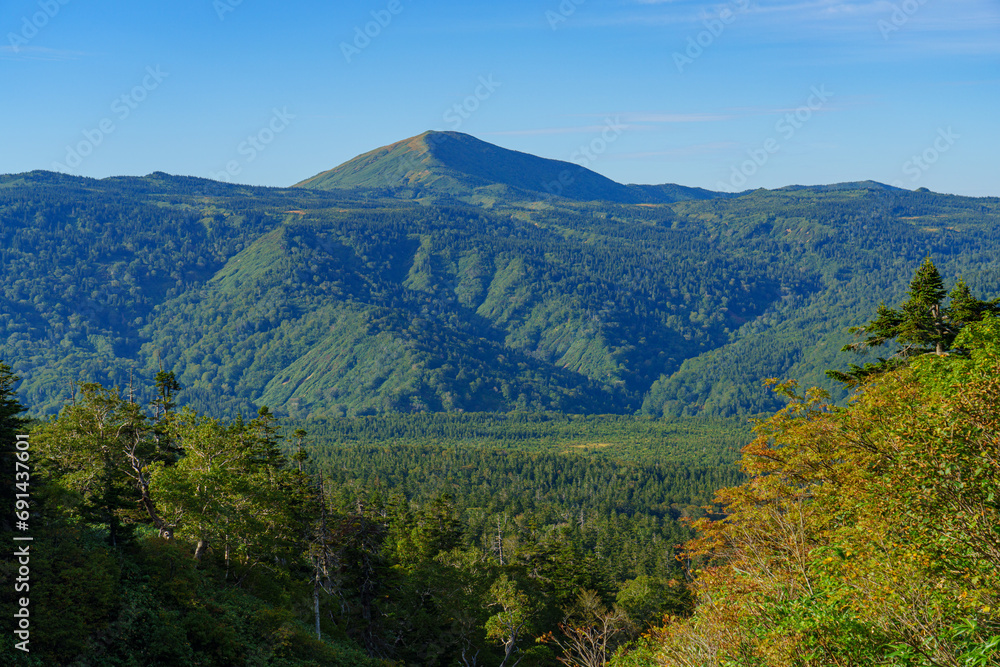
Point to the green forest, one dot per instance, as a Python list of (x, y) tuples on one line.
[(416, 411), (340, 303), (864, 534), (200, 541)]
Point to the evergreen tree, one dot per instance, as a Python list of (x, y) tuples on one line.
[(924, 325), (964, 308), (230, 490), (921, 325)]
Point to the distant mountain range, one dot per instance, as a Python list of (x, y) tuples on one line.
[(444, 273)]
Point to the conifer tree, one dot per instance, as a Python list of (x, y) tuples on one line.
[(923, 324)]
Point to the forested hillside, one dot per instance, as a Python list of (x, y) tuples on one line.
[(865, 535), (372, 300), (860, 246), (862, 535)]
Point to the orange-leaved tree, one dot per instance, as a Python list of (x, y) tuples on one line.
[(865, 535)]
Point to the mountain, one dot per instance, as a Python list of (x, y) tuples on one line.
[(461, 165), (320, 301)]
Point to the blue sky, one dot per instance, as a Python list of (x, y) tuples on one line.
[(731, 95)]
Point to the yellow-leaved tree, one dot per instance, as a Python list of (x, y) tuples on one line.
[(865, 535)]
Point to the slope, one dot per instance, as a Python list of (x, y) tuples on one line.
[(860, 243), (460, 165), (353, 301)]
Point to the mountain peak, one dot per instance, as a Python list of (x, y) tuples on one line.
[(461, 165)]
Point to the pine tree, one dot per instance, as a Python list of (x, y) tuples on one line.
[(965, 308), (921, 325), (924, 324)]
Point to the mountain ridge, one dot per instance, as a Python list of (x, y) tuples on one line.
[(462, 165), (458, 164)]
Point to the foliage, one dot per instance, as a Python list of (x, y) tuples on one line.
[(361, 301), (922, 324), (702, 441), (198, 541), (118, 489), (589, 632), (460, 469), (99, 448), (866, 535), (230, 489)]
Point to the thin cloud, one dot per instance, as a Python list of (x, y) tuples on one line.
[(682, 151), (625, 118), (674, 117), (547, 131), (961, 15), (737, 113), (983, 82), (38, 53)]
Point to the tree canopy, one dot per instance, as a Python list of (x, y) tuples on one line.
[(922, 324), (865, 535)]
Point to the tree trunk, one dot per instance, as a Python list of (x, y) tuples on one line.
[(146, 499), (319, 635), (166, 531), (201, 549)]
